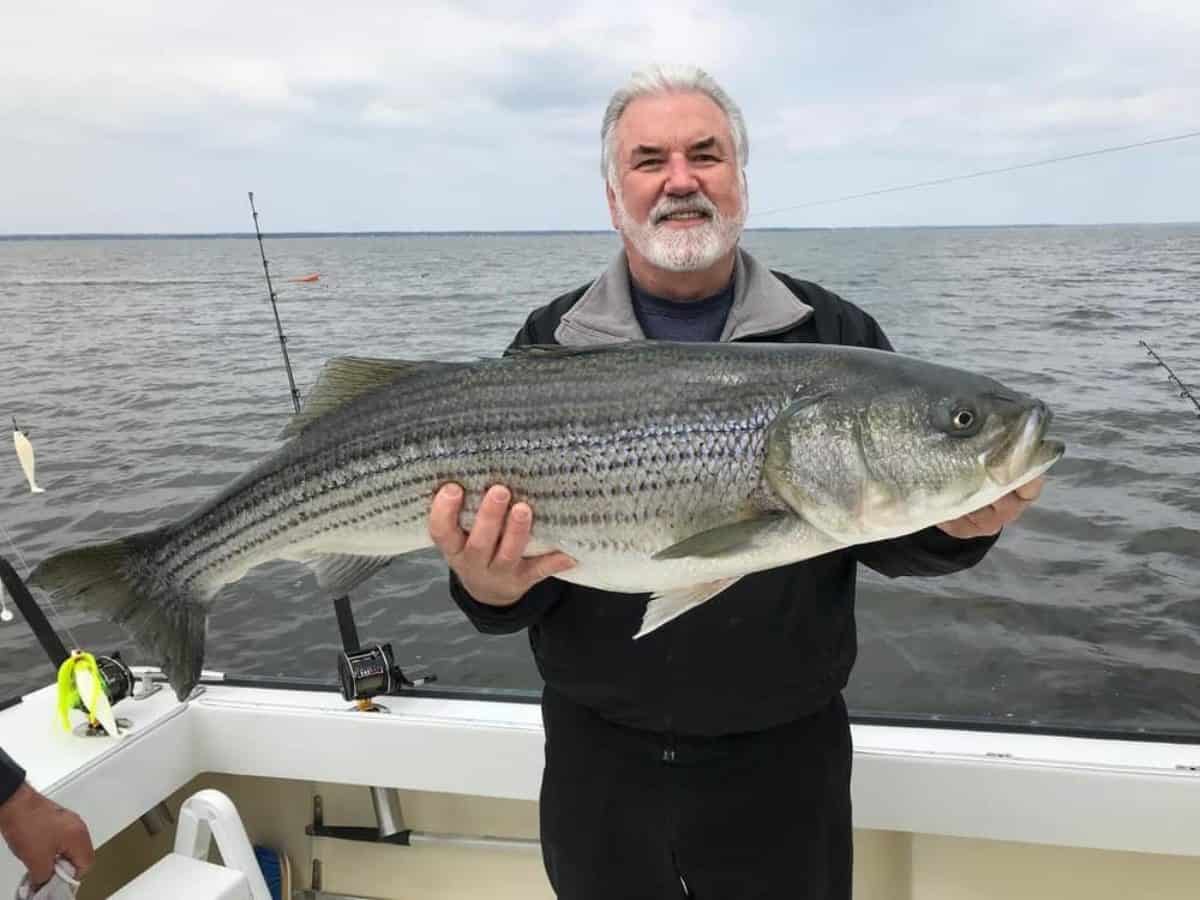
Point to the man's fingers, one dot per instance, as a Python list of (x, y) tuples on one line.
[(972, 525), (40, 866), (1007, 508), (443, 520), (489, 523), (77, 846), (538, 568), (515, 537), (1010, 507), (977, 521), (1030, 491), (997, 513), (988, 520)]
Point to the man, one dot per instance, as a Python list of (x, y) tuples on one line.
[(37, 829), (711, 758)]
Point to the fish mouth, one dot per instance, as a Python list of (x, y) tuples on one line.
[(1027, 453)]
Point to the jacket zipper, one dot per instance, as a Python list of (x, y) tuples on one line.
[(668, 753)]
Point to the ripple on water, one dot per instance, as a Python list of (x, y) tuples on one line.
[(1084, 613)]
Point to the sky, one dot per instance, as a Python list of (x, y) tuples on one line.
[(138, 116)]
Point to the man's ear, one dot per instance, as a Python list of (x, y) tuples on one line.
[(612, 205)]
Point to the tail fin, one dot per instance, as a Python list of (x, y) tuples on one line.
[(119, 582)]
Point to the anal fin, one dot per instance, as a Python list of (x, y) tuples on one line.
[(667, 605), (340, 573)]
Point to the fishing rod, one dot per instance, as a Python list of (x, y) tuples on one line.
[(1184, 390), (364, 672), (287, 363)]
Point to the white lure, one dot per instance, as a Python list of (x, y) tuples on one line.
[(25, 455), (91, 693)]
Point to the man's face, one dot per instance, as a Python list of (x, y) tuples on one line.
[(679, 201)]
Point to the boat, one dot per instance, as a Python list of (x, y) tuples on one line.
[(425, 791)]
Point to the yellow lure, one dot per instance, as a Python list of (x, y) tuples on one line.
[(81, 684)]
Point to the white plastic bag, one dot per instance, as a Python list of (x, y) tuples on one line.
[(61, 886)]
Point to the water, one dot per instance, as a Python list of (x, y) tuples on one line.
[(148, 373)]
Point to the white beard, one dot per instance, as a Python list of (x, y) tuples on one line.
[(687, 249)]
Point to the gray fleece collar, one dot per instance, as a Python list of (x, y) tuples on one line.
[(604, 314)]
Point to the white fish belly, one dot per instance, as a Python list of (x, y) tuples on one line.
[(635, 573)]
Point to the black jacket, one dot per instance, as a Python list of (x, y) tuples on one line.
[(775, 646), (12, 776)]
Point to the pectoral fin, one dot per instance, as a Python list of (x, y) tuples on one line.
[(728, 540), (668, 605)]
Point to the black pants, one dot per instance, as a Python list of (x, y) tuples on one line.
[(632, 815)]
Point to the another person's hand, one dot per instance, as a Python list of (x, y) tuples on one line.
[(490, 561), (990, 519), (38, 831)]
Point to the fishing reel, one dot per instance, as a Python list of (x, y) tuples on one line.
[(365, 673), (116, 678), (114, 681), (90, 684), (369, 672)]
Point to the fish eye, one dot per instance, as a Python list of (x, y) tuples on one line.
[(963, 419)]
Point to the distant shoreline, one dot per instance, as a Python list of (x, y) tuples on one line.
[(242, 235)]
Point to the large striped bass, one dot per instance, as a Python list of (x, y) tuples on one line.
[(668, 469)]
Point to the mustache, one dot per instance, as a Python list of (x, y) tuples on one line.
[(693, 203)]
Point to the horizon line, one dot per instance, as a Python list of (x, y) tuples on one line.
[(463, 232)]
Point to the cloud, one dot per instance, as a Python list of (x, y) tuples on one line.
[(951, 89), (401, 65), (474, 114), (987, 120)]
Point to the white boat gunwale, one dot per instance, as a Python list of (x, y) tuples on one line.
[(1100, 793)]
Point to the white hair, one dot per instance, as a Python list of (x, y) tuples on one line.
[(657, 80)]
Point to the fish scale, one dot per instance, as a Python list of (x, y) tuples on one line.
[(644, 469), (670, 469)]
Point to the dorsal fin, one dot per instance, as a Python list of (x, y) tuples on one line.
[(559, 350), (345, 378)]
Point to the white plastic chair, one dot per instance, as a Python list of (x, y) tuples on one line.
[(186, 874)]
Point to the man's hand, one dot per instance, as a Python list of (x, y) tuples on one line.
[(990, 519), (489, 561), (38, 831)]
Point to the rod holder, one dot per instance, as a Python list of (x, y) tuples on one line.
[(157, 819), (388, 815), (387, 810)]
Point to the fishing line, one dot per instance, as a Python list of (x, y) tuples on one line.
[(979, 174), (6, 614)]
